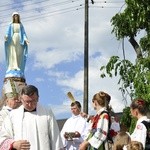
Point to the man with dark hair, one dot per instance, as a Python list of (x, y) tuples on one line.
[(31, 126), (74, 128), (76, 103)]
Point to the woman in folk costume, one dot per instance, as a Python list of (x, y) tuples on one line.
[(99, 125), (16, 48)]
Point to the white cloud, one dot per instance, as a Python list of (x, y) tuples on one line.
[(39, 79), (75, 82)]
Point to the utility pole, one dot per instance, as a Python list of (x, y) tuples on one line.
[(86, 55), (86, 65)]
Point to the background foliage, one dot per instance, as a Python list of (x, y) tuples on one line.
[(134, 77)]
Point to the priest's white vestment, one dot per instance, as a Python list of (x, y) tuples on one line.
[(73, 124), (3, 113), (39, 128)]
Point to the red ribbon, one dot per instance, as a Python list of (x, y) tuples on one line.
[(140, 102)]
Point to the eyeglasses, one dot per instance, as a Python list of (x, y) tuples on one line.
[(30, 102)]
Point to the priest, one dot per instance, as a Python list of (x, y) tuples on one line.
[(31, 126)]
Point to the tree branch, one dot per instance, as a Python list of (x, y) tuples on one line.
[(136, 47)]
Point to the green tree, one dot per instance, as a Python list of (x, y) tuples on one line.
[(134, 77)]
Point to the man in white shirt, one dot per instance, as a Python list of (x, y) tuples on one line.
[(74, 128)]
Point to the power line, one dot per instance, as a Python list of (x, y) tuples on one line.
[(104, 7), (108, 1), (50, 12), (36, 3), (47, 8), (47, 5)]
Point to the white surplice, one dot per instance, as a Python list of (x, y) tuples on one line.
[(39, 128), (3, 113), (74, 123)]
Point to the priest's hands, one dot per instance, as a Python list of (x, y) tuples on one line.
[(21, 145), (77, 134)]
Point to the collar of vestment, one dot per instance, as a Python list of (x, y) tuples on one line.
[(75, 116), (8, 108), (29, 111)]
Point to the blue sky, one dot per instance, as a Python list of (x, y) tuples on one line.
[(55, 29)]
